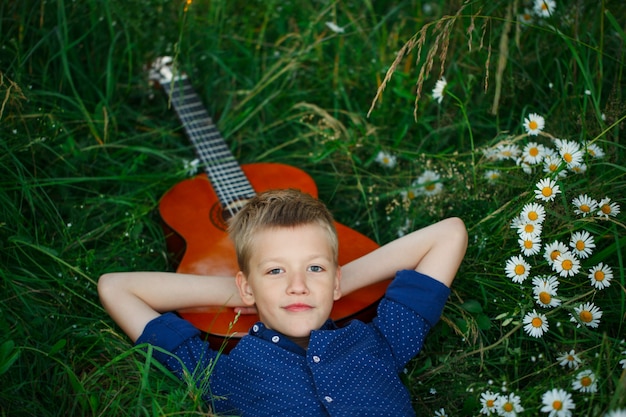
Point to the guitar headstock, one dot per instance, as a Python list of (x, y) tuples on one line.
[(163, 70)]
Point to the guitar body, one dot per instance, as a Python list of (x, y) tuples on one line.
[(197, 236)]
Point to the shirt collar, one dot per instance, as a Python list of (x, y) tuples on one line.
[(261, 331)]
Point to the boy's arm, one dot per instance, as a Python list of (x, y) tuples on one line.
[(132, 299), (435, 250)]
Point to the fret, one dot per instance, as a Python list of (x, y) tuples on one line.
[(228, 180)]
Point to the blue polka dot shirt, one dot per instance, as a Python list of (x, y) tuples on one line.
[(346, 371)]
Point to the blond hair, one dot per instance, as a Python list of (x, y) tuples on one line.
[(278, 208)]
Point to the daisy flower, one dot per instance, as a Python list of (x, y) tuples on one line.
[(429, 182), (570, 152), (509, 405), (544, 8), (552, 165), (616, 413), (535, 324), (623, 361), (544, 289), (553, 250), (438, 91), (579, 169), (534, 212), (582, 244), (585, 381), (525, 18), (488, 401), (566, 264), (492, 175), (386, 159), (594, 150), (533, 153), (606, 208), (584, 205), (530, 245), (569, 359), (547, 189), (517, 269), (527, 229), (600, 276), (534, 124), (526, 167), (557, 403), (588, 314), (508, 151)]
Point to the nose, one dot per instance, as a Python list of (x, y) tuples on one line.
[(297, 284)]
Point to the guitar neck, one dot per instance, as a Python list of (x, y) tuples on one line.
[(228, 180)]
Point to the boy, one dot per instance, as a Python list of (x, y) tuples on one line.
[(296, 362)]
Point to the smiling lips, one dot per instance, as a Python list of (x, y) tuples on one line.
[(297, 307)]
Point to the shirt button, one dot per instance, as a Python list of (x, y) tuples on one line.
[(275, 339), (316, 359), (328, 399), (255, 328)]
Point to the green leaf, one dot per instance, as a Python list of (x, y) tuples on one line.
[(472, 306), (8, 355)]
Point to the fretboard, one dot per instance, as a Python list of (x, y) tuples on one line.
[(228, 180)]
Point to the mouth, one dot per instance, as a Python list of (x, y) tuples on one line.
[(297, 307)]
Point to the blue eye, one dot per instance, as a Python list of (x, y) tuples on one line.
[(316, 268), (274, 271)]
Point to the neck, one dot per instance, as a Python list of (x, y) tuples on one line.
[(303, 341)]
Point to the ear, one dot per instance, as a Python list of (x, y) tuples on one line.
[(337, 289), (245, 290)]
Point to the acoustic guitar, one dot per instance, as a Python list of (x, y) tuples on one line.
[(195, 213)]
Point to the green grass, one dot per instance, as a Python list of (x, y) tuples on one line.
[(88, 147)]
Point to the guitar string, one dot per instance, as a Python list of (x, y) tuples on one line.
[(220, 164)]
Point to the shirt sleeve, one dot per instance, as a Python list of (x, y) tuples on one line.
[(412, 305), (181, 349)]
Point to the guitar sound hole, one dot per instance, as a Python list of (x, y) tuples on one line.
[(219, 217)]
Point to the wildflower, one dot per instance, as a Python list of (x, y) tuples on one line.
[(553, 250), (507, 151), (570, 152), (488, 400), (534, 124), (535, 324), (533, 153), (585, 381), (441, 413), (430, 182), (552, 165), (558, 403), (547, 189), (386, 159), (492, 175), (530, 245), (438, 91), (607, 208), (584, 205), (579, 169), (594, 150), (526, 167), (569, 359), (544, 289), (600, 276), (509, 405), (191, 167), (525, 18), (623, 361), (517, 269), (616, 413), (544, 8), (527, 229), (566, 264), (534, 212), (588, 313), (582, 244), (333, 26)]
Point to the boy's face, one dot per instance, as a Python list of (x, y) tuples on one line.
[(293, 279)]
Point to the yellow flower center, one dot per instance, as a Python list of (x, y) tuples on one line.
[(568, 157), (580, 245), (553, 167), (547, 191), (585, 381), (585, 208), (533, 215), (586, 316), (533, 151), (528, 244), (555, 254), (430, 187), (567, 264), (606, 209), (545, 297), (529, 228), (519, 269), (508, 407), (557, 405), (598, 276), (537, 322), (532, 125), (544, 6), (490, 403)]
